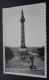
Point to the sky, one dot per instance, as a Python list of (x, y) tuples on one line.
[(35, 25)]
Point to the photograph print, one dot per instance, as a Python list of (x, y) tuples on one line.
[(24, 40)]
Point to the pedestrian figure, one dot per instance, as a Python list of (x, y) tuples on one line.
[(32, 61)]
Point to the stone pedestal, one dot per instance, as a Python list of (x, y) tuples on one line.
[(23, 52)]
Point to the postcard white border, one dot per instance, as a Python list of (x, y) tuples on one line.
[(22, 74)]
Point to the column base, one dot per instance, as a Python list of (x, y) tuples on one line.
[(23, 46)]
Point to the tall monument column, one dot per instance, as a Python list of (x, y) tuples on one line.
[(23, 47), (22, 20)]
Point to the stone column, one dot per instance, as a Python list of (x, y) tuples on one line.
[(22, 20)]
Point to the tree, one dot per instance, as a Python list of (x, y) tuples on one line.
[(8, 54), (41, 53)]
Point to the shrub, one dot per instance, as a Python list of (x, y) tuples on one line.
[(8, 54), (41, 53)]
